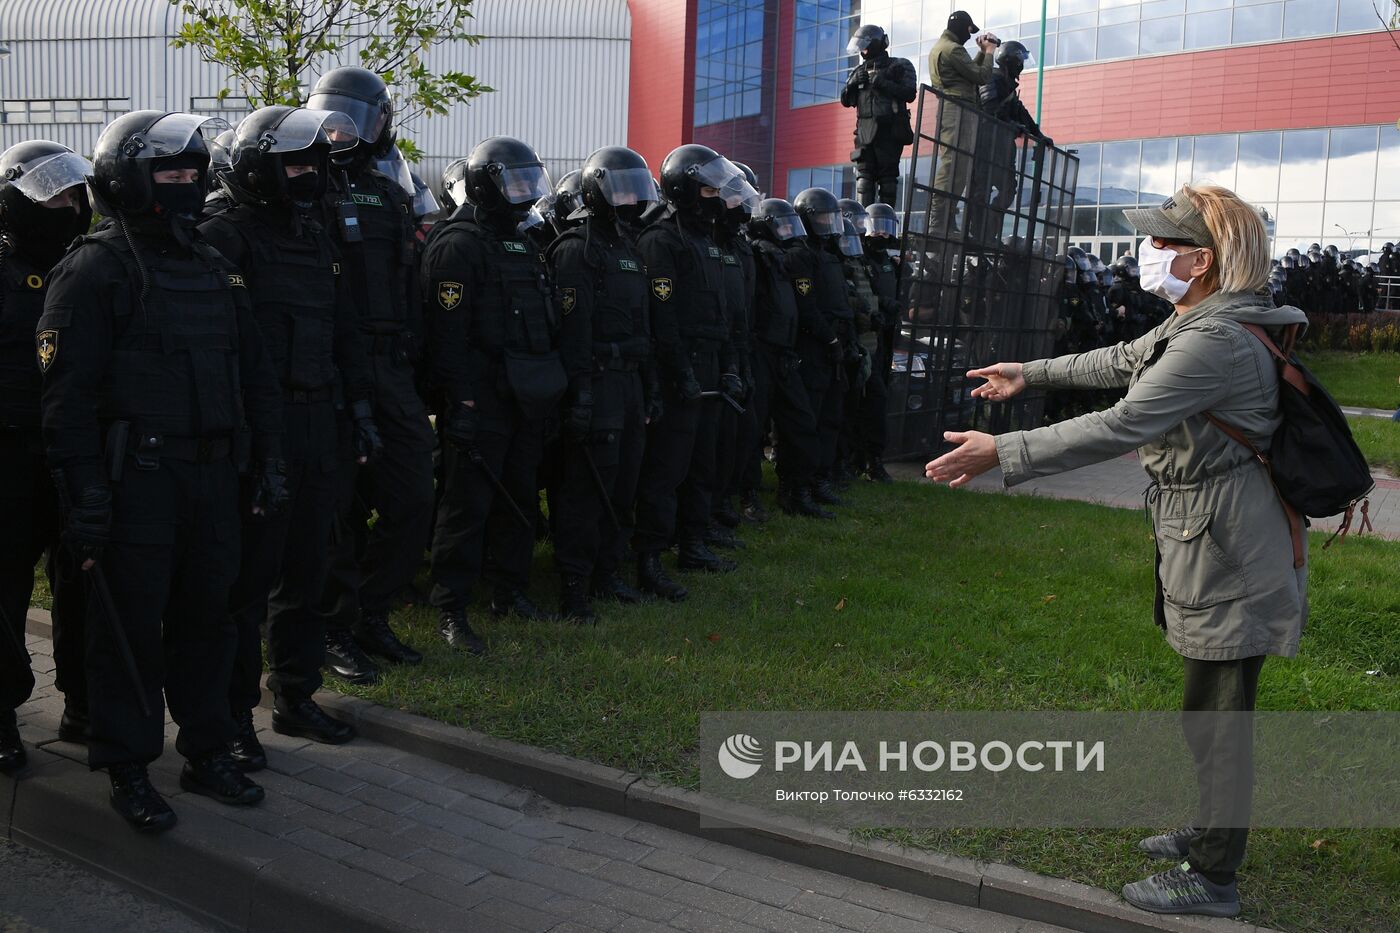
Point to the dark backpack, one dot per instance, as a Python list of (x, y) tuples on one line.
[(1313, 460)]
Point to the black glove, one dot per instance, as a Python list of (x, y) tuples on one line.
[(89, 524), (834, 352), (368, 444), (270, 494), (688, 387), (578, 419), (461, 429), (1050, 143), (654, 408), (731, 385)]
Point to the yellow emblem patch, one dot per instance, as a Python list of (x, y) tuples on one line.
[(35, 282), (804, 287), (568, 297), (449, 295), (46, 344), (662, 289)]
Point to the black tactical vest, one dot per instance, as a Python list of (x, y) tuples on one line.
[(292, 281), (513, 308), (776, 319), (620, 294), (174, 364), (830, 286), (22, 289), (885, 279), (698, 294), (389, 250)]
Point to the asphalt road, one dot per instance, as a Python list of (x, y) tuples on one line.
[(43, 894)]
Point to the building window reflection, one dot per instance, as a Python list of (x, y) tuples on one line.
[(728, 60)]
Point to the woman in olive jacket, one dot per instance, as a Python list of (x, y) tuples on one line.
[(1231, 564)]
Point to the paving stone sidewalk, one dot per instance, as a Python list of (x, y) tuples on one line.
[(426, 846), (1121, 482)]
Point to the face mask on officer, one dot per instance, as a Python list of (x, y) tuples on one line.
[(48, 227), (302, 183), (176, 187), (711, 204)]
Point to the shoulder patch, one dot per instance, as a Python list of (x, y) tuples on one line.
[(803, 285), (662, 289), (33, 281), (235, 281), (46, 347), (568, 298), (449, 295)]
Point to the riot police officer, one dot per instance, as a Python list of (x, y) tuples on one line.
[(866, 307), (495, 356), (779, 393), (996, 166), (371, 216), (309, 321), (567, 202), (605, 342), (694, 355), (826, 351), (881, 237), (880, 88), (43, 207), (137, 308)]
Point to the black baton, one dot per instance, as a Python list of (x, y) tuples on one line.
[(480, 461), (598, 484), (109, 609), (729, 399)]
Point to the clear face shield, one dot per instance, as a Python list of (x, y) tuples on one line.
[(368, 119), (883, 226), (787, 227), (396, 168), (172, 134), (850, 241), (734, 188), (521, 184), (859, 43), (825, 223), (49, 175)]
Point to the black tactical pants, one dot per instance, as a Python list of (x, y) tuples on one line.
[(670, 459), (472, 513), (371, 567), (877, 170), (826, 389), (871, 424), (172, 558), (781, 395), (283, 571), (587, 544), (29, 526)]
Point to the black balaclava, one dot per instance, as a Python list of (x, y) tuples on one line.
[(42, 234), (305, 188), (184, 201)]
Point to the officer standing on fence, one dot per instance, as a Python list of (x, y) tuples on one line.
[(43, 207), (152, 361), (881, 89), (309, 321), (960, 78), (997, 169)]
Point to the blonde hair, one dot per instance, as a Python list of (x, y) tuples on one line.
[(1241, 240)]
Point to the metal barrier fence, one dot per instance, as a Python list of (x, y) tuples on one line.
[(986, 224)]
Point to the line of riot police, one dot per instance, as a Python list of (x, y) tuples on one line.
[(1322, 281), (237, 410)]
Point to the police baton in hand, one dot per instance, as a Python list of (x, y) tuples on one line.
[(598, 484), (475, 456), (729, 399)]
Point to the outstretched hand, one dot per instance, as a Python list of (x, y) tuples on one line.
[(975, 454), (1004, 381)]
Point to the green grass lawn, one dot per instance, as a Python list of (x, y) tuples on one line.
[(1366, 380), (1379, 440), (925, 599)]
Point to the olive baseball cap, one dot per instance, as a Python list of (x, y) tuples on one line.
[(962, 18), (1177, 219)]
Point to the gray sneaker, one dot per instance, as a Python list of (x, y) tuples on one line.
[(1183, 890), (1173, 845)]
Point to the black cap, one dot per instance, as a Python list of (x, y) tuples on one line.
[(960, 19)]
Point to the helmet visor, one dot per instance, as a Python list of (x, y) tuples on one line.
[(850, 241), (788, 227), (172, 133), (221, 148), (50, 175), (397, 169), (859, 43), (734, 188), (627, 186), (523, 184), (424, 203), (369, 119), (533, 219), (825, 223), (882, 226), (302, 129)]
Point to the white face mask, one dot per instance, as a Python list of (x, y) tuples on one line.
[(1156, 268)]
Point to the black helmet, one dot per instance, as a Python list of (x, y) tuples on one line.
[(776, 221), (361, 95), (868, 40), (1388, 247), (129, 147), (221, 156), (272, 138), (1305, 262), (1125, 266), (1080, 258), (1332, 251), (568, 201), (1289, 261), (855, 212), (1013, 58), (658, 208), (453, 190), (689, 168), (617, 183), (504, 176), (820, 212), (1293, 252), (883, 220), (30, 174)]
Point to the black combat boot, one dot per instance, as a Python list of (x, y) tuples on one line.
[(724, 513), (694, 555), (573, 601), (12, 754), (825, 493), (216, 775), (651, 578), (753, 511), (613, 587), (452, 623), (875, 469), (510, 602), (74, 725), (721, 537), (797, 500), (346, 659), (137, 801), (303, 717), (842, 474), (372, 633), (246, 750)]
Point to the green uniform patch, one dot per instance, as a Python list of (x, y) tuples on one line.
[(629, 265), (373, 199), (514, 246)]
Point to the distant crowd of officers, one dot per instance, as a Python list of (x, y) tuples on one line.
[(240, 407), (1321, 281)]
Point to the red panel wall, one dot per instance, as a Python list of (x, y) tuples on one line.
[(661, 99)]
